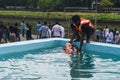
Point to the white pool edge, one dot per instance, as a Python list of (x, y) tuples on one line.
[(42, 43)]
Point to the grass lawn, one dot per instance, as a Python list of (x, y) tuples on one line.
[(61, 15), (58, 15)]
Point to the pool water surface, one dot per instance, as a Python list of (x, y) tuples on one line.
[(53, 64)]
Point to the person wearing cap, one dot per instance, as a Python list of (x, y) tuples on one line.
[(82, 27)]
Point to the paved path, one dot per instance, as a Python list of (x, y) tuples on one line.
[(24, 38)]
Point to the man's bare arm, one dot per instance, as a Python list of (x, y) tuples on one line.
[(73, 36), (81, 41)]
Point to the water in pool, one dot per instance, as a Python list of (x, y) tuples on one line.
[(54, 64)]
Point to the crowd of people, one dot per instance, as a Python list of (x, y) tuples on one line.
[(47, 30), (107, 35), (11, 33), (14, 33)]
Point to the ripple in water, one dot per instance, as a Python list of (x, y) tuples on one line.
[(54, 64)]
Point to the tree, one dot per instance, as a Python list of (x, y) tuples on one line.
[(32, 4), (59, 5), (2, 4), (23, 2), (116, 3), (106, 5), (45, 4)]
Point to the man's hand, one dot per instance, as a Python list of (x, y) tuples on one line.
[(70, 42)]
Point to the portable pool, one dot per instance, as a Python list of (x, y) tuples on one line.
[(45, 60)]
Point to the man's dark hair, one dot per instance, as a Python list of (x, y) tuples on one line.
[(56, 22), (38, 22), (16, 24), (23, 21), (45, 22), (76, 19)]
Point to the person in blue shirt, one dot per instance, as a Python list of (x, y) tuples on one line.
[(38, 26), (23, 28)]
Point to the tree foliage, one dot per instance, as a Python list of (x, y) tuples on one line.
[(106, 3), (52, 5), (45, 4)]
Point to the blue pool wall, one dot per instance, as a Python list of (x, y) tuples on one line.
[(25, 45), (43, 43)]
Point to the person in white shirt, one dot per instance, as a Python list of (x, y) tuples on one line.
[(56, 30), (110, 37), (117, 38), (106, 32)]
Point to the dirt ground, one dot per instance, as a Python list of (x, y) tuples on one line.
[(24, 38)]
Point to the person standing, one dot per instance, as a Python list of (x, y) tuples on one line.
[(23, 28), (97, 35), (110, 37), (38, 26), (16, 31), (1, 30), (105, 33), (28, 32), (101, 35), (44, 31), (82, 26), (56, 30), (117, 38), (12, 37), (114, 32), (6, 34)]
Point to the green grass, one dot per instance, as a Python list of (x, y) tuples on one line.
[(109, 16), (61, 15), (58, 15)]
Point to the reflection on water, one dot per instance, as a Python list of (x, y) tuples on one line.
[(53, 64), (81, 64), (95, 66)]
